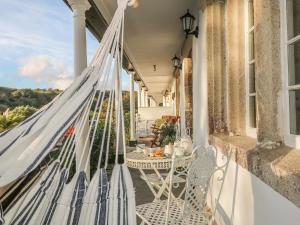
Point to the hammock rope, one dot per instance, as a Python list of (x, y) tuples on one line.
[(52, 200)]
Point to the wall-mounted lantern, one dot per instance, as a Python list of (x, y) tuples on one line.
[(176, 62), (187, 21)]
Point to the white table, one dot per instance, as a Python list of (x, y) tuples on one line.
[(142, 162)]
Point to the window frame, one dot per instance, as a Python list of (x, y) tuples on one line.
[(290, 139), (250, 131)]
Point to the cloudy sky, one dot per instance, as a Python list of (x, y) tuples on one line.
[(36, 44)]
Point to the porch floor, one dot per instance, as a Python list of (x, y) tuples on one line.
[(143, 193)]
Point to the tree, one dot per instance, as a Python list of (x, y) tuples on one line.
[(14, 117)]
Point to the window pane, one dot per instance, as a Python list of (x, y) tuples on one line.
[(252, 111), (250, 14), (251, 46), (294, 111), (252, 78), (294, 63), (293, 18)]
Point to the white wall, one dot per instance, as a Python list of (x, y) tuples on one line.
[(153, 113), (246, 200)]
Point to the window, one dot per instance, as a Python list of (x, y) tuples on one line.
[(291, 68), (250, 70)]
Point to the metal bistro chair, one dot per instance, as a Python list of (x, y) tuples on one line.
[(180, 174), (190, 210)]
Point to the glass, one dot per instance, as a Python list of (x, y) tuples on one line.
[(294, 101), (252, 88), (252, 111), (251, 46), (294, 63), (250, 14), (293, 18)]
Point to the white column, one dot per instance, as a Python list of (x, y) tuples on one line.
[(132, 107), (168, 100), (152, 102), (200, 86), (139, 96), (143, 97), (79, 8), (164, 101), (146, 99)]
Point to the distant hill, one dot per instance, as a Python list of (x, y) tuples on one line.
[(36, 98)]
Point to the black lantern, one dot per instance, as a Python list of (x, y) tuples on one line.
[(188, 24), (176, 61)]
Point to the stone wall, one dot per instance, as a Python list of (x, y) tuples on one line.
[(265, 156), (226, 68), (188, 83), (279, 167), (268, 70), (235, 67), (216, 66), (177, 96)]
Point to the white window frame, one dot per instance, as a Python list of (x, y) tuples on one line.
[(290, 139), (250, 131)]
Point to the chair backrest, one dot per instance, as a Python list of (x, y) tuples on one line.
[(199, 175), (179, 169)]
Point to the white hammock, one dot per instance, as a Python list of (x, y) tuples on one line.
[(52, 200), (1, 216)]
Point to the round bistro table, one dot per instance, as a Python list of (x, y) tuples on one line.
[(142, 162)]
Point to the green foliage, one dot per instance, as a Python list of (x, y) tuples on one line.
[(167, 133), (159, 122), (12, 118), (24, 102), (11, 98)]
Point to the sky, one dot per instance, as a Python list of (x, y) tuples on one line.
[(36, 44)]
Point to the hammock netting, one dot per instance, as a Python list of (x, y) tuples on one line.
[(54, 196)]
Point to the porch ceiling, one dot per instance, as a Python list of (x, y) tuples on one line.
[(153, 34)]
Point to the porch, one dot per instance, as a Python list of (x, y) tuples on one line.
[(212, 88)]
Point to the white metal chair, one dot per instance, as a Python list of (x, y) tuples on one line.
[(191, 209), (157, 180)]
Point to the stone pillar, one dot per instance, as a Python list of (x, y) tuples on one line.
[(235, 41), (187, 70), (79, 8), (132, 110), (182, 103), (200, 92), (164, 101), (268, 70), (217, 93), (177, 96)]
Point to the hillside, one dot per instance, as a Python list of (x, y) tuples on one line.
[(36, 98), (18, 104)]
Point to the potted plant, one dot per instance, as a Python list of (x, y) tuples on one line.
[(167, 134)]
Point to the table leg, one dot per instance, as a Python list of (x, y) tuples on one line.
[(164, 187), (148, 183)]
